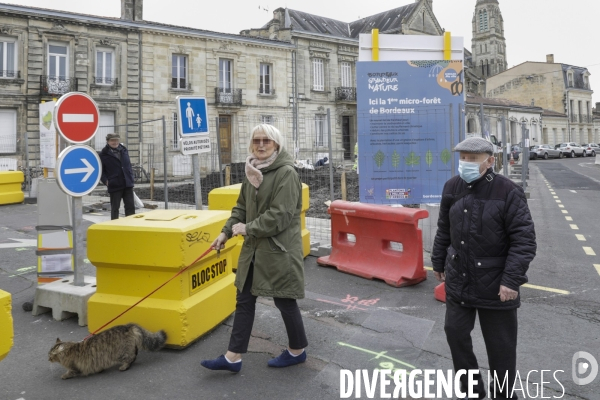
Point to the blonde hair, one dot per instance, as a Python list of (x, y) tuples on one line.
[(271, 132)]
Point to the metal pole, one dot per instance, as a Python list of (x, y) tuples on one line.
[(451, 120), (197, 187), (219, 152), (481, 119), (330, 155), (505, 148), (77, 215), (165, 187), (27, 163), (524, 156)]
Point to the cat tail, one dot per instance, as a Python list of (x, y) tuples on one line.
[(151, 341)]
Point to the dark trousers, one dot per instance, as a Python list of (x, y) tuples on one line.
[(499, 329), (115, 202), (244, 319)]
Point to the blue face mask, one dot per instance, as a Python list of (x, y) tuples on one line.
[(468, 171)]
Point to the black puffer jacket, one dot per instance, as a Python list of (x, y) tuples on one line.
[(484, 240), (118, 173)]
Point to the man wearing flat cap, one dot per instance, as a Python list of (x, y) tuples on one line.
[(482, 250), (117, 175)]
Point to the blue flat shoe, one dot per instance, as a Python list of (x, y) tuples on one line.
[(285, 359), (221, 364)]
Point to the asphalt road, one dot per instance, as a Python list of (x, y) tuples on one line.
[(350, 321)]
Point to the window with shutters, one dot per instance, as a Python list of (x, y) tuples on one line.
[(8, 131), (320, 131), (318, 74), (346, 72), (179, 72), (8, 59), (106, 126), (265, 84), (105, 67), (225, 75)]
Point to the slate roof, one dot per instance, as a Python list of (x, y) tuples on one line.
[(578, 73), (387, 22)]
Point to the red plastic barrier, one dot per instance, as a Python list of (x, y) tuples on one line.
[(378, 230), (440, 292)]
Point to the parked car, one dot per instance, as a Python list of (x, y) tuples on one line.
[(591, 149), (546, 151), (515, 150), (571, 149)]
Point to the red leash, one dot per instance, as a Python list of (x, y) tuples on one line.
[(150, 294)]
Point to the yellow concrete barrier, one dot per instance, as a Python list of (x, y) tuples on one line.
[(10, 187), (135, 255), (225, 198), (6, 324)]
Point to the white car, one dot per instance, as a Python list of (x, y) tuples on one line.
[(591, 149), (571, 149)]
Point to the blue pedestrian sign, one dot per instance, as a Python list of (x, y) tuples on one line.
[(78, 170), (193, 116)]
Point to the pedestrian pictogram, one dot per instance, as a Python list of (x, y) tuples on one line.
[(193, 120), (76, 117)]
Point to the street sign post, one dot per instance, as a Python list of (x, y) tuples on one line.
[(76, 117), (194, 133)]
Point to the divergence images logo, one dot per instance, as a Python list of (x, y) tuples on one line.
[(584, 363)]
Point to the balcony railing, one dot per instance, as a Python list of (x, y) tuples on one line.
[(106, 81), (345, 94), (228, 96), (51, 85), (573, 117), (10, 74)]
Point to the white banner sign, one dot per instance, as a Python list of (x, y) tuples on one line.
[(195, 145), (47, 135)]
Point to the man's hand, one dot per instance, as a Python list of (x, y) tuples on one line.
[(219, 242), (239, 229), (440, 276), (507, 294)]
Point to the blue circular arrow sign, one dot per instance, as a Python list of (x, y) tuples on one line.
[(79, 169)]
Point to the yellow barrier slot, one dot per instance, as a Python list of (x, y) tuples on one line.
[(135, 255), (225, 198), (6, 325), (10, 187)]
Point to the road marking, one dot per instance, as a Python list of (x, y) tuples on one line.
[(78, 117), (547, 289), (556, 197), (564, 211), (552, 192), (581, 238), (589, 251), (572, 191), (20, 243), (574, 227), (597, 266), (561, 206), (558, 201), (530, 286), (569, 218)]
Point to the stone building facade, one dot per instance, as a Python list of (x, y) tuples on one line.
[(557, 87), (488, 46), (134, 70), (325, 66)]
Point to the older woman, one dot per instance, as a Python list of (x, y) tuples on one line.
[(271, 263)]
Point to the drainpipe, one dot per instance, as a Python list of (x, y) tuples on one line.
[(568, 117), (295, 94)]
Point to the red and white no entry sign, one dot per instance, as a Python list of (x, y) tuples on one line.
[(76, 117)]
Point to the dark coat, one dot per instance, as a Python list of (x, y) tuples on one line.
[(116, 174), (273, 231), (484, 240)]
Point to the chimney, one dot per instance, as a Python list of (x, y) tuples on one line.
[(550, 58), (132, 10)]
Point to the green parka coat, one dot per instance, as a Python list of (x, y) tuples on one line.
[(273, 232)]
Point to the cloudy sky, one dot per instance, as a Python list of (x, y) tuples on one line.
[(533, 28)]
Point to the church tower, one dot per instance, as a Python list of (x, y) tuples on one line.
[(488, 46)]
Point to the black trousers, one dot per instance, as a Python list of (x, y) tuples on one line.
[(244, 319), (115, 202), (499, 329)]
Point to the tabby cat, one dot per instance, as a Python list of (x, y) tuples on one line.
[(117, 345)]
